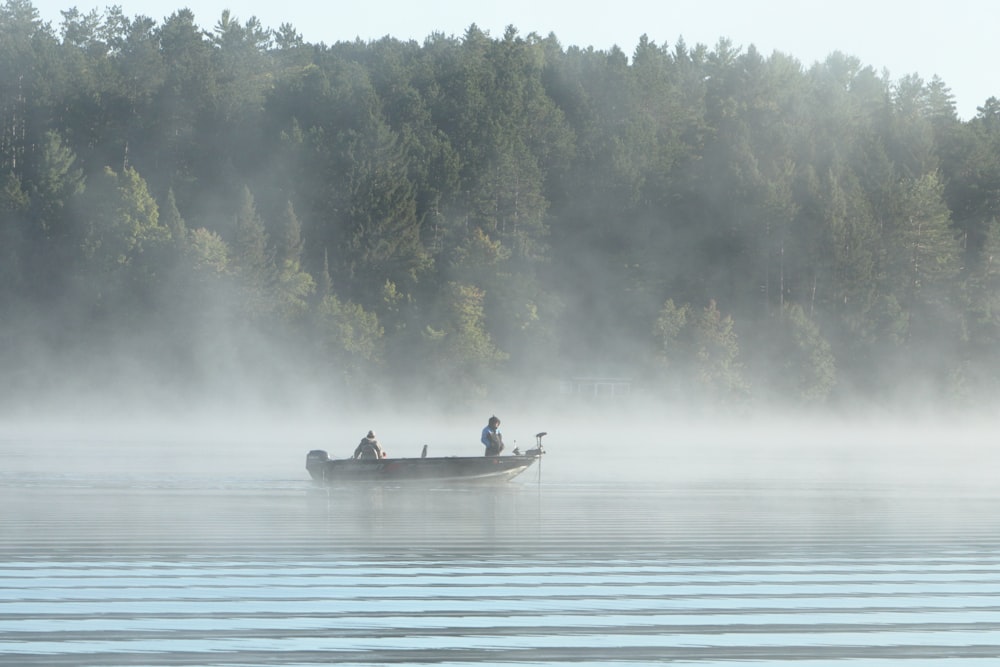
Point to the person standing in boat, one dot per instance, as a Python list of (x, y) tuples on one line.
[(491, 437), (369, 448)]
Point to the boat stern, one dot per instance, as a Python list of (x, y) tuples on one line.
[(316, 463)]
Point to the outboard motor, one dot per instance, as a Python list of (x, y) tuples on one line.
[(316, 463)]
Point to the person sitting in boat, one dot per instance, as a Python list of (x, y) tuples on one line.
[(491, 437), (369, 448)]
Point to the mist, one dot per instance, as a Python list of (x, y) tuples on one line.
[(410, 237), (752, 305), (895, 454)]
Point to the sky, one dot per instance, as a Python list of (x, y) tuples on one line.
[(953, 40)]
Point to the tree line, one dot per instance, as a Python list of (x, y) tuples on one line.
[(477, 214)]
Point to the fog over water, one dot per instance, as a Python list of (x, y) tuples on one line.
[(639, 539), (622, 478), (602, 444), (177, 336)]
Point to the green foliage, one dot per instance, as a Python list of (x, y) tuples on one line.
[(795, 362), (171, 218), (250, 252), (207, 252), (473, 209), (467, 343), (461, 355), (717, 352), (699, 352), (922, 252), (288, 244), (671, 321), (381, 225), (123, 224), (350, 339), (292, 291), (13, 205), (55, 181), (984, 309), (31, 84), (13, 198), (477, 257)]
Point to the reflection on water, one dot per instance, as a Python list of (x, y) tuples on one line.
[(174, 569)]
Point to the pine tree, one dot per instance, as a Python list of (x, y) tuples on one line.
[(51, 186), (383, 241), (250, 253), (288, 241), (171, 218)]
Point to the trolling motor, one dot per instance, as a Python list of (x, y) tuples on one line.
[(537, 451)]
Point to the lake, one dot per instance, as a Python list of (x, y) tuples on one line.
[(708, 560)]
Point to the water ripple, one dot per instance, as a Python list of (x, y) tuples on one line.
[(264, 572)]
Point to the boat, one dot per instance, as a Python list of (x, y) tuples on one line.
[(451, 469)]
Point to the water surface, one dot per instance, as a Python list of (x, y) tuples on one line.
[(155, 564)]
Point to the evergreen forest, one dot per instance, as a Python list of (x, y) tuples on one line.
[(189, 211)]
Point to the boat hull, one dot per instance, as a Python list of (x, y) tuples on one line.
[(452, 469)]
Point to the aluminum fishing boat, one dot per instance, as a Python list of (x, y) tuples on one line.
[(460, 469)]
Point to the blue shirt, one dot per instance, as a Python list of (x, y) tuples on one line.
[(488, 432)]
